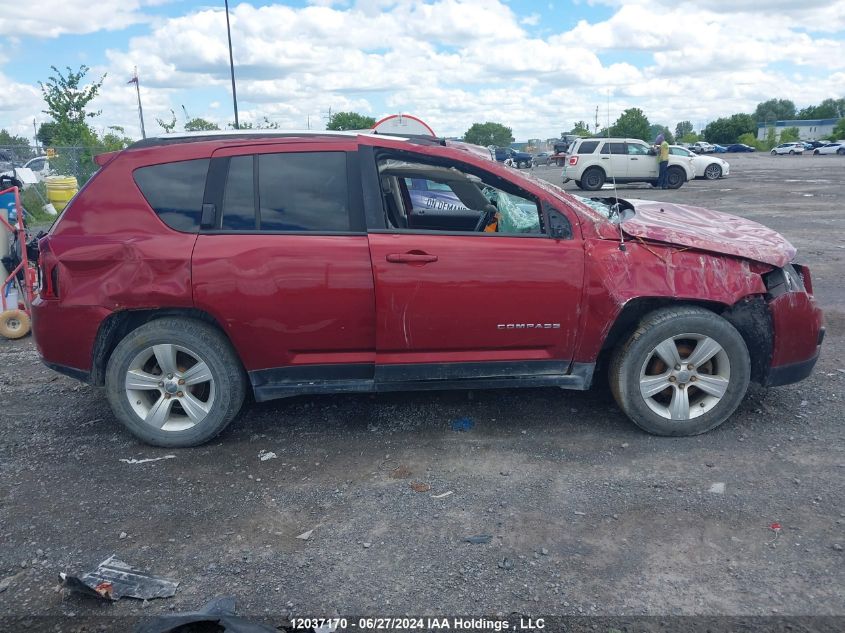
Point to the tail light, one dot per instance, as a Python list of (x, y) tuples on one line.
[(573, 160), (48, 271)]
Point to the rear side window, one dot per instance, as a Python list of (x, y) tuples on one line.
[(239, 200), (614, 148), (588, 147), (303, 192), (175, 191)]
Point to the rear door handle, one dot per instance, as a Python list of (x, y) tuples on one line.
[(410, 258)]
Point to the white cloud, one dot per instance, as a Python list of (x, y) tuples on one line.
[(51, 18)]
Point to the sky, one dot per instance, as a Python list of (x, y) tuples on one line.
[(536, 66)]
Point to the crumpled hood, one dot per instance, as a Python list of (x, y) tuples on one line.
[(708, 230)]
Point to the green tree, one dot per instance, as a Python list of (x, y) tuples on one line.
[(690, 137), (168, 126), (655, 129), (581, 128), (340, 121), (489, 133), (67, 98), (750, 139), (729, 129), (46, 133), (827, 109), (264, 124), (789, 135), (838, 131), (198, 124), (682, 129), (774, 110), (115, 139), (19, 144), (632, 124)]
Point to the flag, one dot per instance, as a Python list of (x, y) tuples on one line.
[(134, 80)]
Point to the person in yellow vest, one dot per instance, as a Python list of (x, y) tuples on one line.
[(663, 161)]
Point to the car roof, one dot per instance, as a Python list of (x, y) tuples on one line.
[(224, 136)]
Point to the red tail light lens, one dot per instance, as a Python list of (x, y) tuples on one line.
[(573, 160)]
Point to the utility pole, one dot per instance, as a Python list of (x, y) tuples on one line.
[(597, 119), (232, 66), (35, 135), (137, 83)]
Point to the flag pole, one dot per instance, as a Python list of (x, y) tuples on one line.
[(137, 83), (232, 65)]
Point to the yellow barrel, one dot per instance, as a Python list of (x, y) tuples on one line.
[(60, 189)]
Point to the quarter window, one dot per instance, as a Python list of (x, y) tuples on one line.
[(588, 147), (175, 191)]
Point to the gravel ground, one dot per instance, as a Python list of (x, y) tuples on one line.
[(587, 515)]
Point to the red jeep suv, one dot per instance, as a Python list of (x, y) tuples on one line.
[(191, 270)]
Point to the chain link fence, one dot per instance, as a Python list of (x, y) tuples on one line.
[(76, 162)]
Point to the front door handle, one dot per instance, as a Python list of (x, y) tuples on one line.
[(410, 258)]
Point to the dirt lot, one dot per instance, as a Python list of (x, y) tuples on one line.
[(587, 514)]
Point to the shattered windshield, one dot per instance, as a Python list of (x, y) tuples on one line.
[(606, 211)]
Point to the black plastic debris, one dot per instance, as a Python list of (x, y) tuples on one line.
[(220, 612), (113, 579), (479, 539)]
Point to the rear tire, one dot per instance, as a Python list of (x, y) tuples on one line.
[(841, 151), (593, 179), (773, 153), (675, 177), (175, 382), (666, 399)]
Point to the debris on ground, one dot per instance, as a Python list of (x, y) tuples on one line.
[(445, 494), (6, 583), (400, 472), (836, 546), (305, 535), (113, 579), (147, 459), (265, 455), (479, 539), (220, 612), (580, 514), (418, 486), (506, 563), (462, 425), (717, 488)]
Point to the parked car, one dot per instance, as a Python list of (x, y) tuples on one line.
[(830, 148), (283, 265), (740, 147), (708, 167), (811, 145), (702, 147), (518, 159), (788, 148), (543, 158), (594, 161), (719, 149)]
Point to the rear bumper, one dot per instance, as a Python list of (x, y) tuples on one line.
[(64, 335)]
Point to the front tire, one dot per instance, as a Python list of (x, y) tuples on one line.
[(774, 153), (683, 372), (175, 382), (593, 179), (713, 172)]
